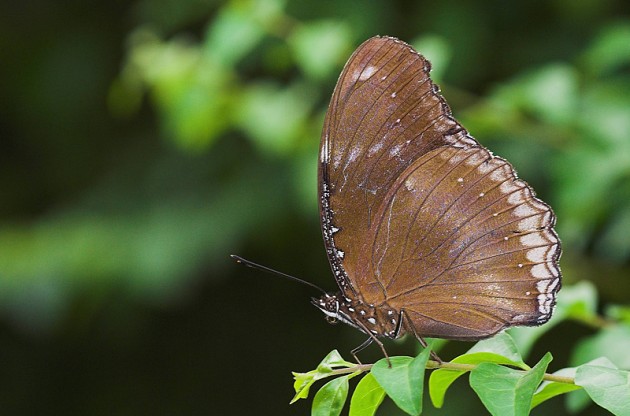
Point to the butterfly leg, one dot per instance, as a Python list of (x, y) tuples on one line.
[(372, 338), (424, 344), (361, 348)]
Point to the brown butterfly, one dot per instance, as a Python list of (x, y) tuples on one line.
[(426, 231)]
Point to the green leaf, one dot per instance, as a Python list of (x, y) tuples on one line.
[(302, 385), (332, 360), (304, 381), (579, 400), (192, 93), (503, 350), (547, 91), (499, 350), (404, 381), (611, 49), (489, 357), (611, 341), (330, 399), (321, 47), (275, 116), (505, 391), (439, 381), (550, 389), (244, 24), (578, 301), (619, 312), (367, 397), (608, 387)]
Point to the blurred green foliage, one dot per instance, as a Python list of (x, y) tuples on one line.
[(144, 142)]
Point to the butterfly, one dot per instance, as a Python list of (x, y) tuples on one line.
[(426, 231)]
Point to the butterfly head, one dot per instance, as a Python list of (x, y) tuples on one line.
[(332, 307), (329, 304)]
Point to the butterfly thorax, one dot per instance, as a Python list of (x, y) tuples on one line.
[(381, 321)]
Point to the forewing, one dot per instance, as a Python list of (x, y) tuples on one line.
[(384, 114)]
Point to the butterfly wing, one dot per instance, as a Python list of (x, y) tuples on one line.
[(401, 222), (464, 246), (383, 115)]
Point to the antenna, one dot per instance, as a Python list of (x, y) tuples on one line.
[(253, 265)]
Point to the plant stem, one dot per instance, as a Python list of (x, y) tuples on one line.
[(433, 365)]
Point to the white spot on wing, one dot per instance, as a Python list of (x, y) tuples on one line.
[(529, 223), (324, 155), (474, 159), (506, 187), (395, 150), (366, 73), (537, 255), (524, 210), (500, 174), (517, 197), (410, 184), (453, 159), (354, 153), (532, 240), (540, 271), (488, 166), (376, 148)]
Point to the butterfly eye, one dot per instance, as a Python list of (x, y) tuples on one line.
[(331, 320), (332, 305)]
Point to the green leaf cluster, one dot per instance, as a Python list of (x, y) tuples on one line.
[(497, 374)]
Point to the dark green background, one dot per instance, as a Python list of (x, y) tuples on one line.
[(143, 142)]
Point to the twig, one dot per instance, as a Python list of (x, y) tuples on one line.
[(433, 365)]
